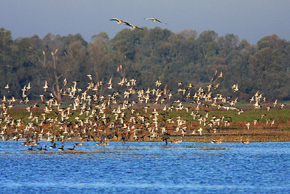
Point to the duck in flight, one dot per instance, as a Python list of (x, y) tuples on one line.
[(118, 21), (132, 26), (154, 20)]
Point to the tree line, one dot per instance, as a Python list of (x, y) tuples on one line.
[(146, 55)]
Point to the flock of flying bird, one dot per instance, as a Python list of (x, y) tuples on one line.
[(121, 113)]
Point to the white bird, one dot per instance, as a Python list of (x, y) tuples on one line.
[(158, 83), (248, 125), (235, 87), (200, 131), (45, 85)]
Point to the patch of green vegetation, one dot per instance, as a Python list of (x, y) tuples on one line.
[(279, 115), (251, 115), (286, 128)]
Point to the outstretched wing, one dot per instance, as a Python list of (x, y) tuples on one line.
[(160, 21), (148, 18), (114, 19), (128, 24)]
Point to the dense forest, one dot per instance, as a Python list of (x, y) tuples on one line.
[(146, 55)]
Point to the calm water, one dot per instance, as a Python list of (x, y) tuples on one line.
[(147, 168)]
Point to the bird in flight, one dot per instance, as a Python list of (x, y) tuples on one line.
[(118, 21), (154, 20), (132, 26)]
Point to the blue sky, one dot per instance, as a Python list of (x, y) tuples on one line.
[(249, 19)]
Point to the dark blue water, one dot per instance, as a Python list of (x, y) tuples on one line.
[(147, 168)]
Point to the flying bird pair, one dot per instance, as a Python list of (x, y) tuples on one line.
[(133, 26)]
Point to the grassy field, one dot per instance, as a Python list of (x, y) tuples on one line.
[(265, 126)]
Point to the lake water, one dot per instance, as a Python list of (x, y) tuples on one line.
[(147, 168)]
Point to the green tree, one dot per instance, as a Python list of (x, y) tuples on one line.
[(6, 56), (268, 74)]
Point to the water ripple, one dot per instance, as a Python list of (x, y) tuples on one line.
[(148, 168)]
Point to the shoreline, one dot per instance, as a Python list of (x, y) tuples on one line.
[(225, 138)]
